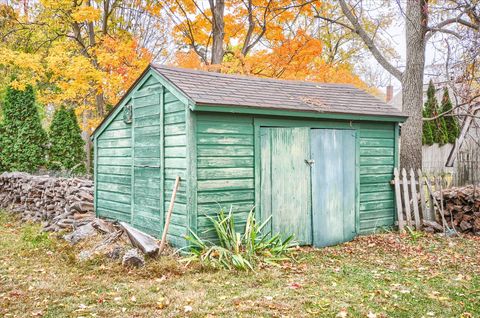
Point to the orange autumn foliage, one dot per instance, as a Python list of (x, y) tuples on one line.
[(295, 58), (287, 49)]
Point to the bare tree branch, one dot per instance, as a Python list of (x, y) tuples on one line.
[(358, 29)]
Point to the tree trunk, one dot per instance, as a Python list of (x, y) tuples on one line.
[(100, 104), (218, 30), (412, 84)]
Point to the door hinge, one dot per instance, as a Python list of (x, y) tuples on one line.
[(310, 162)]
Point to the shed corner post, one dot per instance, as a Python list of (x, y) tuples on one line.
[(257, 169), (95, 174), (162, 154), (397, 145), (191, 173), (396, 161), (357, 180)]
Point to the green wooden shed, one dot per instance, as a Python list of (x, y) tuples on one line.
[(315, 157)]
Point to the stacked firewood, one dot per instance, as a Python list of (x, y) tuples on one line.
[(60, 203), (461, 209)]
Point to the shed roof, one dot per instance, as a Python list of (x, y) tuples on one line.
[(208, 88)]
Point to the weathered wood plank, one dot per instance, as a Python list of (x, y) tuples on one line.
[(224, 173), (406, 198), (111, 178), (221, 150), (375, 142), (413, 189), (115, 143), (333, 186), (290, 182), (225, 184), (373, 170), (176, 140), (175, 118), (174, 129), (174, 106), (114, 169), (375, 187), (114, 196), (423, 205), (224, 139), (224, 128), (146, 243), (375, 178), (376, 205), (225, 196), (369, 152), (226, 162), (377, 133), (376, 196), (374, 161), (398, 199), (115, 161), (120, 188)]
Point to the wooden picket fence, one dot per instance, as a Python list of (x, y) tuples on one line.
[(415, 200)]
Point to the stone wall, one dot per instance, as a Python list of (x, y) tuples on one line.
[(60, 203)]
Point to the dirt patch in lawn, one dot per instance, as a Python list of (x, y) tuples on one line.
[(383, 275)]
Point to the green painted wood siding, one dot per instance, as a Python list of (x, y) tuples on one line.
[(147, 170), (175, 164), (114, 160), (113, 175), (377, 160), (225, 167)]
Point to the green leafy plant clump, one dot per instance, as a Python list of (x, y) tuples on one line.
[(23, 140), (66, 150), (242, 251)]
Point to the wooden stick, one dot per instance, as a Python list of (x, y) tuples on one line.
[(413, 188), (406, 198), (398, 198), (434, 201), (169, 215), (423, 204)]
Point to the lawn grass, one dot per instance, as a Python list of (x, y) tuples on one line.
[(383, 275)]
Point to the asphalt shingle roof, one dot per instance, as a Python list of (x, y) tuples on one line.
[(208, 88)]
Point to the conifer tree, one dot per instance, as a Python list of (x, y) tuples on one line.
[(442, 131), (66, 144), (430, 110), (451, 123), (428, 135), (23, 140)]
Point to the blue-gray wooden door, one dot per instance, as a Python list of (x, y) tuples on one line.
[(333, 186), (285, 181), (147, 207)]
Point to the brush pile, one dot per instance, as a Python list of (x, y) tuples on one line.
[(60, 203), (461, 208)]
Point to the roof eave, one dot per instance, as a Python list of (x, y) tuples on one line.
[(203, 107)]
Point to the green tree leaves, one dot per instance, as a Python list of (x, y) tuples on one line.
[(450, 122), (66, 150), (23, 140), (444, 129)]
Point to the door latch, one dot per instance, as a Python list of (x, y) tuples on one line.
[(310, 162)]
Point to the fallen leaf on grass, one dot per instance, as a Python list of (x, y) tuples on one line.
[(295, 285)]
